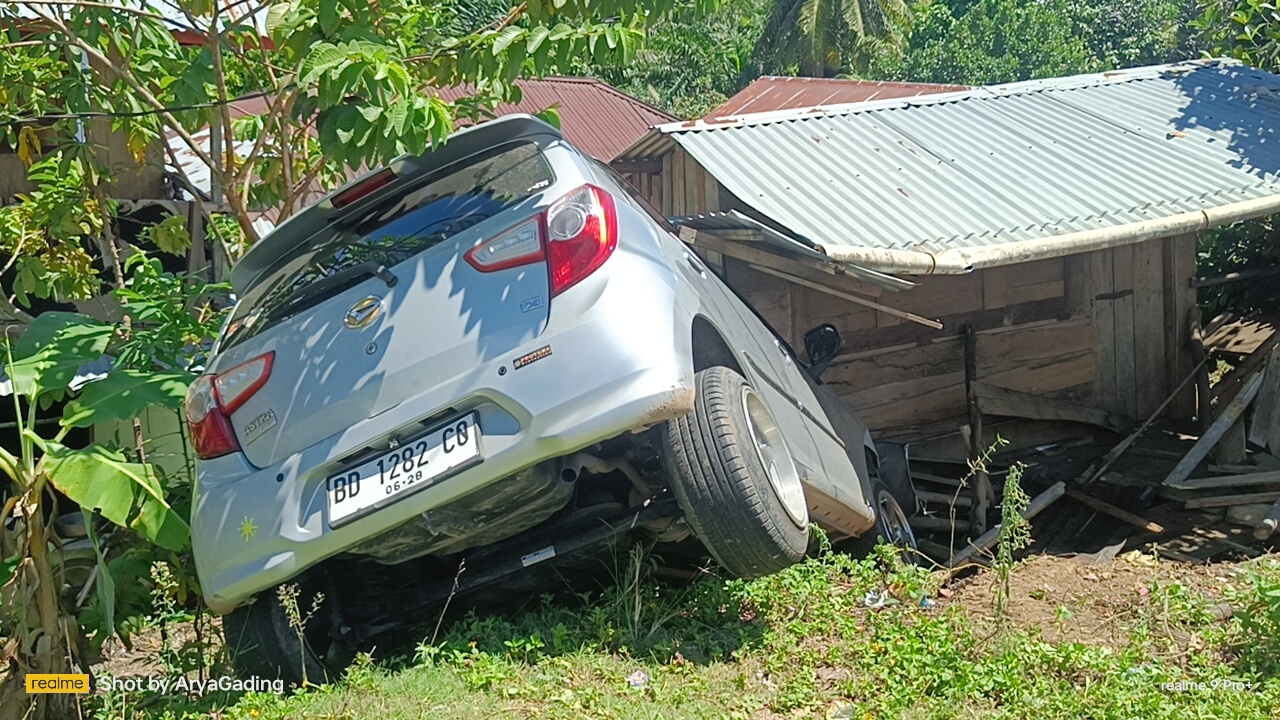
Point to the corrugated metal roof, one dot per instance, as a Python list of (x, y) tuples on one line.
[(595, 116), (789, 93), (1001, 164)]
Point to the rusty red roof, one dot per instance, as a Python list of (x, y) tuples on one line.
[(772, 92), (595, 116)]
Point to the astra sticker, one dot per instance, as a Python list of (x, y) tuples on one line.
[(260, 425)]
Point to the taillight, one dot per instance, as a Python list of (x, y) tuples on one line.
[(518, 246), (211, 398), (582, 232), (238, 384), (364, 187)]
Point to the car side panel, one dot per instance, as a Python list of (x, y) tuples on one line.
[(777, 375)]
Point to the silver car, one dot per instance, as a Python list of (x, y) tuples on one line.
[(494, 356)]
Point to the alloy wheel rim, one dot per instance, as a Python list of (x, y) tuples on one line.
[(893, 522), (776, 459)]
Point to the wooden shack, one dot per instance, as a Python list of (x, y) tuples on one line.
[(1075, 286)]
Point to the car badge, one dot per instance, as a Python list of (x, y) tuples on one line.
[(363, 313)]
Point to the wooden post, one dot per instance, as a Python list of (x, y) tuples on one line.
[(986, 495), (1230, 414), (1204, 413)]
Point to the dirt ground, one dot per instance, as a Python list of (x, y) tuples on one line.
[(1081, 599), (145, 657)]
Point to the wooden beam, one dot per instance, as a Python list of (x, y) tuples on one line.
[(1091, 475), (852, 298), (1220, 426), (927, 477), (1229, 500), (1113, 511), (1002, 401), (1037, 504), (1229, 481), (811, 269)]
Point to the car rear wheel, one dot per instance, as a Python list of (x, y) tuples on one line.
[(892, 523), (735, 479), (264, 643)]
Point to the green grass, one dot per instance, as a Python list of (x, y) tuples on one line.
[(801, 644)]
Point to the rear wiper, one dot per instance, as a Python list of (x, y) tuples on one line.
[(333, 284)]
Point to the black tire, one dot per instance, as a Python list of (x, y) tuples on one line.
[(892, 523), (263, 644), (721, 483)]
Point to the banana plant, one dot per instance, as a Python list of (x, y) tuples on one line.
[(37, 635)]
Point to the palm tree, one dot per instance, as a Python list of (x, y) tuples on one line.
[(825, 37)]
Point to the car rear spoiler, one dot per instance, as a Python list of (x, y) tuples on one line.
[(306, 224)]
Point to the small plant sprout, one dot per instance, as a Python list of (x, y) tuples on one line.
[(288, 595)]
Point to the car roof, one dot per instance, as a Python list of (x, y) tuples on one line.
[(317, 217)]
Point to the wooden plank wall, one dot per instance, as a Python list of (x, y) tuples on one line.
[(907, 381), (1138, 298)]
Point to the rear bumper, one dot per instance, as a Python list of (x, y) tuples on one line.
[(615, 368)]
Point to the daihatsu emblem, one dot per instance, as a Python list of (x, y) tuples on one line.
[(363, 313)]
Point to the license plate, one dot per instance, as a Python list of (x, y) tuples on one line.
[(414, 465)]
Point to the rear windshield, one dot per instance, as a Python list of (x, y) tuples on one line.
[(427, 213)]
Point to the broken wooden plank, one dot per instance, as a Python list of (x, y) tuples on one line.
[(1115, 512), (995, 400), (1233, 382), (1037, 504), (805, 266), (850, 298), (1270, 522), (1090, 475), (1220, 426), (1264, 409), (1227, 481), (1229, 500), (944, 498)]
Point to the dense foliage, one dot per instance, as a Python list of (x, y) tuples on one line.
[(691, 62)]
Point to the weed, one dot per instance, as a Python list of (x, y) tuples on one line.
[(1259, 617), (288, 594), (1015, 533)]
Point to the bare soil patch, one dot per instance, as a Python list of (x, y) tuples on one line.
[(1076, 599)]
